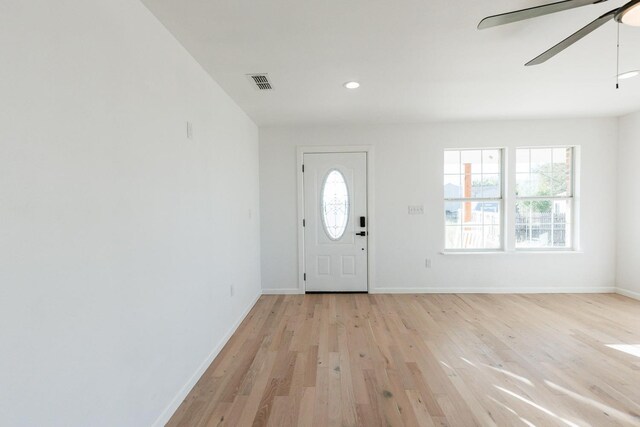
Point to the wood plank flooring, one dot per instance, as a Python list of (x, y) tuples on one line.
[(426, 360)]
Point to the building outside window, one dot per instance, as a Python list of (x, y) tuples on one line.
[(544, 198), (473, 199)]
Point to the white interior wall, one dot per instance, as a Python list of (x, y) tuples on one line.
[(408, 171), (119, 237), (628, 256)]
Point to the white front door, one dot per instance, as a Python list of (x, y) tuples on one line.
[(335, 232)]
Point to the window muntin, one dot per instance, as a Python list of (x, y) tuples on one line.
[(544, 198), (473, 199), (335, 205)]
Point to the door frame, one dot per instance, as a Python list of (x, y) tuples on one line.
[(337, 149)]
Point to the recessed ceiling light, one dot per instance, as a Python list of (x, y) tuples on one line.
[(352, 85), (628, 74)]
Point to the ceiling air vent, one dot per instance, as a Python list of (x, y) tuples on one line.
[(261, 81)]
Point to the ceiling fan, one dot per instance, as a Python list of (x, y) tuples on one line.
[(627, 14)]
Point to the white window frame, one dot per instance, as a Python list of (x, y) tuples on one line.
[(500, 200), (572, 247)]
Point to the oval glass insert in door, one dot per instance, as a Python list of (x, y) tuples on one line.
[(335, 205)]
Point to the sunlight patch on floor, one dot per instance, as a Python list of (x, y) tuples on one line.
[(524, 420), (622, 416), (468, 362), (446, 364), (632, 349), (511, 374), (535, 405)]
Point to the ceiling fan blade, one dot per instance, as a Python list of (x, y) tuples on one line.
[(594, 25), (533, 12)]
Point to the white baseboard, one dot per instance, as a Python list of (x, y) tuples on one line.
[(184, 391), (287, 291), (479, 290), (628, 293), (494, 290)]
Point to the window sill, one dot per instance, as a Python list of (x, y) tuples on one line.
[(548, 251), (496, 252), (513, 252)]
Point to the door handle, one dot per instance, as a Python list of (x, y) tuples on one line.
[(362, 233)]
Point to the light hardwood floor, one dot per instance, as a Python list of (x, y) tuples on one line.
[(457, 360)]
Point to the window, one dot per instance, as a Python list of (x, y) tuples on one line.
[(544, 198), (335, 205), (473, 199)]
